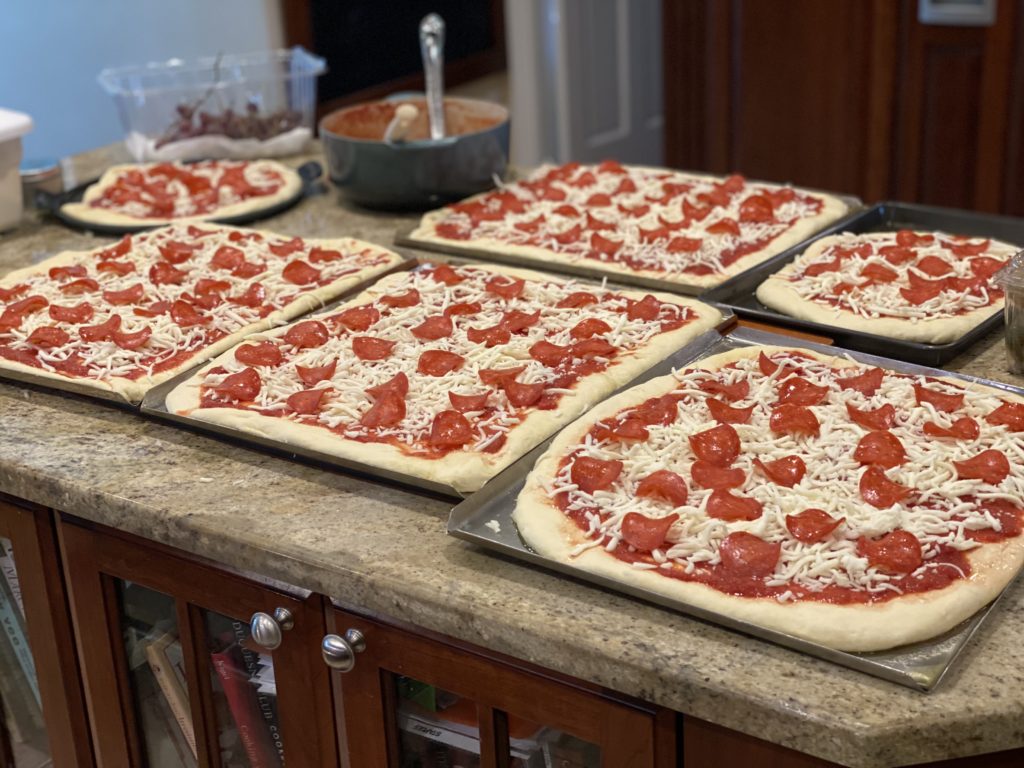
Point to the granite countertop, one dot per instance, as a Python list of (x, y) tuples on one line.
[(383, 549)]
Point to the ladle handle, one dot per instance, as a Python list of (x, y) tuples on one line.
[(432, 48)]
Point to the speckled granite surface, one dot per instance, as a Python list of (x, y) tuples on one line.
[(383, 549)]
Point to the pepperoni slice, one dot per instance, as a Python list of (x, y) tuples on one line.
[(489, 337), (878, 273), (939, 400), (645, 534), (599, 200), (757, 208), (576, 300), (499, 377), (120, 248), (879, 418), (358, 318), (821, 267), (80, 313), (450, 429), (116, 267), (311, 376), (396, 300), (909, 238), (570, 235), (812, 525), (592, 475), (63, 273), (631, 429), (320, 255), (298, 272), (605, 245), (185, 315), (132, 340), (707, 475), (1009, 516), (793, 420), (242, 386), (254, 296), (787, 471), (1009, 415), (724, 505), (372, 348), (286, 247), (102, 332), (730, 392), (516, 320), (227, 257), (308, 334), (866, 383), (155, 309), (506, 287), (131, 295), (163, 273), (748, 555), (588, 348), (523, 395), (726, 414), (445, 273), (654, 235), (664, 485), (799, 391), (724, 226), (464, 403), (568, 211), (550, 354), (261, 353), (15, 313), (878, 490), (76, 287), (968, 249), (919, 295), (433, 328), (989, 466), (206, 301), (397, 384), (592, 326), (387, 410), (897, 254), (986, 266), (437, 362), (896, 552), (48, 337), (658, 410), (964, 428), (205, 286), (648, 308), (177, 253), (307, 402), (464, 308), (934, 266), (881, 448), (719, 445), (6, 294), (767, 366), (249, 269)]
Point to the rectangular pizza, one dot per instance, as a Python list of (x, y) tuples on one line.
[(121, 318), (653, 223), (443, 373)]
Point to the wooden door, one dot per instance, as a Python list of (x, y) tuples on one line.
[(42, 711), (173, 676), (409, 697)]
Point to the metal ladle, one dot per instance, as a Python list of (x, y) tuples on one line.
[(432, 48)]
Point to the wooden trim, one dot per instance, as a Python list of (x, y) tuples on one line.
[(880, 97), (494, 745), (297, 22), (993, 117), (191, 637)]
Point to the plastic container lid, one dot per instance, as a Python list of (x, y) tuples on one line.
[(1012, 275), (13, 125)]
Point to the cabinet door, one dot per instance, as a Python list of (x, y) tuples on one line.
[(42, 714), (186, 664), (407, 701)]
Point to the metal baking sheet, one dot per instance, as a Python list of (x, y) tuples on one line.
[(404, 237), (920, 666), (740, 292), (309, 172), (154, 404)]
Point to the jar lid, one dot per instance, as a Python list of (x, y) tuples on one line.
[(1012, 275), (36, 169)]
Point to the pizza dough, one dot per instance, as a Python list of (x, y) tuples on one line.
[(796, 571), (937, 304), (652, 223), (554, 364)]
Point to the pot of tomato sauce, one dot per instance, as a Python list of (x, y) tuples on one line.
[(414, 171)]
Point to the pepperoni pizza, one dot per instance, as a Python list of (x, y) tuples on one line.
[(626, 220), (160, 193), (849, 505), (919, 286), (443, 373), (124, 317)]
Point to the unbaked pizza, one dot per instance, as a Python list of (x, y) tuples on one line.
[(845, 504), (152, 194), (124, 317), (626, 220), (926, 287), (443, 373)]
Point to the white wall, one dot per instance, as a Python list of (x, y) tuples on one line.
[(52, 50)]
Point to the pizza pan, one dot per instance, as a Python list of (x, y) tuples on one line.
[(485, 519), (51, 203), (740, 292), (404, 237), (154, 405)]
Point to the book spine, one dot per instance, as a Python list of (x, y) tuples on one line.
[(11, 623), (267, 704), (175, 696), (10, 572), (241, 698)]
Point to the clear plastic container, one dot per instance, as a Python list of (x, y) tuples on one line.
[(238, 106), (1011, 279)]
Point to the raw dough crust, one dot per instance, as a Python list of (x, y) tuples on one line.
[(87, 214), (465, 471), (833, 209), (777, 293), (861, 628)]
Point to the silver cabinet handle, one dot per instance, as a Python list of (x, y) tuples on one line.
[(266, 629), (340, 652)]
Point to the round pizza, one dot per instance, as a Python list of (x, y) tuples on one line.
[(849, 505), (926, 287), (152, 194), (652, 223)]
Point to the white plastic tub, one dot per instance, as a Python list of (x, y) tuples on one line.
[(13, 125)]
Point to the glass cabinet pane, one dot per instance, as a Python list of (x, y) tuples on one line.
[(559, 750), (23, 740), (245, 696), (156, 668), (435, 728)]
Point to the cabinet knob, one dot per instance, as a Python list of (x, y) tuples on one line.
[(340, 652), (266, 629)]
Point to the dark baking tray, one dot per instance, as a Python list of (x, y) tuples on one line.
[(739, 293), (51, 203), (920, 666), (404, 237)]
